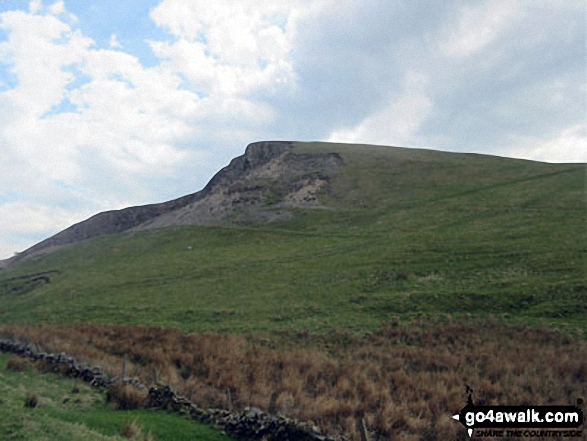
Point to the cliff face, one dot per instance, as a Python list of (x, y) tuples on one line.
[(259, 186)]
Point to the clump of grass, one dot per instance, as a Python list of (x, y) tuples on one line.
[(131, 430), (31, 400), (45, 366), (126, 397), (16, 364)]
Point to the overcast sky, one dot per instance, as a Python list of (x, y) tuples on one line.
[(106, 104)]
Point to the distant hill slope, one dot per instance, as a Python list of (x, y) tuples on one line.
[(320, 235), (273, 177), (240, 192)]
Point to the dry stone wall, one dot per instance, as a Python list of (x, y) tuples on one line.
[(249, 424)]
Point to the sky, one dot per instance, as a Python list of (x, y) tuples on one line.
[(108, 104)]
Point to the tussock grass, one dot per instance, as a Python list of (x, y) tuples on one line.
[(17, 364), (131, 430), (406, 378), (126, 397), (31, 400)]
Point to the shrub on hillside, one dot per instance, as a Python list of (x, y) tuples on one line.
[(45, 366), (126, 397), (16, 364), (31, 400), (132, 430)]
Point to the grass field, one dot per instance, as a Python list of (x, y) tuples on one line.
[(70, 410), (407, 232)]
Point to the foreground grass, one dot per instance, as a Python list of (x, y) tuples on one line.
[(407, 379), (70, 410)]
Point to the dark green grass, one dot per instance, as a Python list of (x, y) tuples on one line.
[(62, 414), (407, 232)]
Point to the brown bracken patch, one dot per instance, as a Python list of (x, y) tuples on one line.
[(406, 379)]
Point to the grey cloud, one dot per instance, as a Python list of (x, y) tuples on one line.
[(526, 83), (351, 61)]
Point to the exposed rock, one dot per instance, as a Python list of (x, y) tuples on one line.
[(259, 186), (268, 176)]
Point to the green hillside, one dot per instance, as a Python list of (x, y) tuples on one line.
[(403, 232)]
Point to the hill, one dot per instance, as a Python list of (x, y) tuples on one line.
[(319, 235), (269, 173), (364, 280)]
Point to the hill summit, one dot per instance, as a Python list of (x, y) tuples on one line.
[(262, 185)]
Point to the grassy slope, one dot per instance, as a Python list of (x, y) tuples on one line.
[(407, 232), (64, 415)]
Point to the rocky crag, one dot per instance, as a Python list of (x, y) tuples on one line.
[(263, 185)]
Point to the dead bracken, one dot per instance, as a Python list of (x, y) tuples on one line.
[(405, 379)]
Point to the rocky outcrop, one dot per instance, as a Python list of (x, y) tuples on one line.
[(260, 186)]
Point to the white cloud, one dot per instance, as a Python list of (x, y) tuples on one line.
[(227, 48), (57, 8), (479, 25), (39, 47), (30, 218), (25, 223), (97, 120), (35, 6), (83, 118), (114, 43), (568, 145), (396, 124)]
